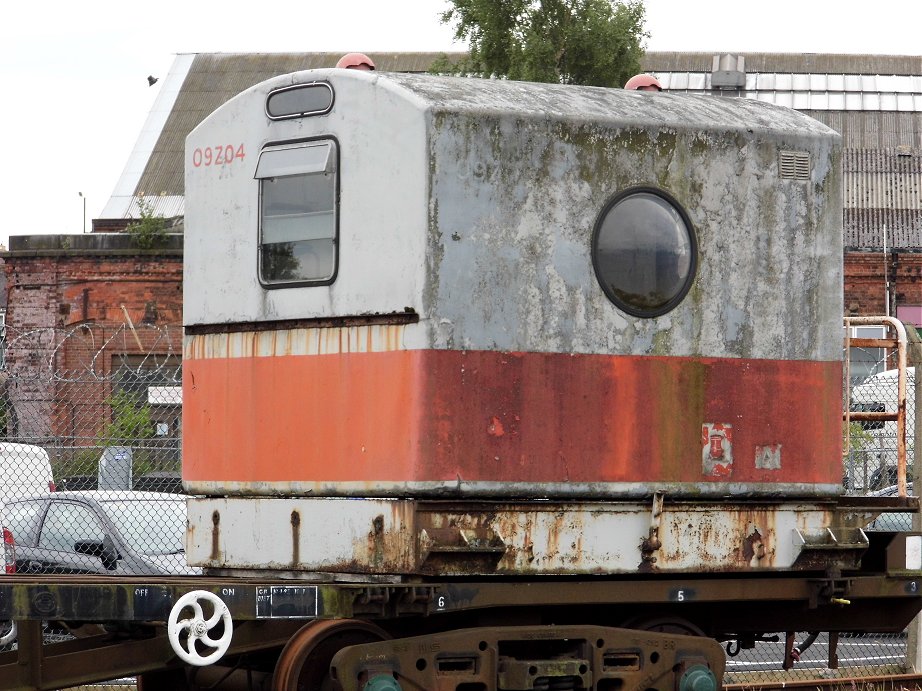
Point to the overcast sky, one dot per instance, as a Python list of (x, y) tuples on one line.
[(74, 75)]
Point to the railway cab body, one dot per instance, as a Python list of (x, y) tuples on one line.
[(441, 325)]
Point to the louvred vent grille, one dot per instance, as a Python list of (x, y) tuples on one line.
[(794, 165)]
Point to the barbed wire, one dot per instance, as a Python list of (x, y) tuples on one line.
[(91, 352)]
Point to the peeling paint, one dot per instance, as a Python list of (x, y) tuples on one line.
[(496, 428), (717, 452), (470, 538), (768, 457), (517, 378)]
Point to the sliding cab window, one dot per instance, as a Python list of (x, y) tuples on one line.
[(298, 213)]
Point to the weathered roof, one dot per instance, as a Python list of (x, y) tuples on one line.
[(873, 130), (864, 92), (791, 63), (873, 101), (883, 194)]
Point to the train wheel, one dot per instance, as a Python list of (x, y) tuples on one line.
[(675, 625), (304, 664)]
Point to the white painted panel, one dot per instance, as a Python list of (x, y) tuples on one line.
[(382, 536), (914, 552)]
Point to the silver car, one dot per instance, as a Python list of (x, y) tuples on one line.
[(97, 532)]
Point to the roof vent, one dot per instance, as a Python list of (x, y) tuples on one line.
[(728, 72), (794, 165)]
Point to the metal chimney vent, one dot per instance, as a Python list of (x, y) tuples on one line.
[(728, 72), (794, 165)]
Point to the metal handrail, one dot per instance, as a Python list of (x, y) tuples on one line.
[(899, 341)]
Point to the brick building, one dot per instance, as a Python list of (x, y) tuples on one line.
[(866, 291), (89, 316)]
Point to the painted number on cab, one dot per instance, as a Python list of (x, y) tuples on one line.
[(217, 155)]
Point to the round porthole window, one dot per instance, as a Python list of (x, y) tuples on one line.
[(644, 252)]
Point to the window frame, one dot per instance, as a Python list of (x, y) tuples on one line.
[(299, 283), (307, 113), (26, 532), (677, 299), (63, 505)]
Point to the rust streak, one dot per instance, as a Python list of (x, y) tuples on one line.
[(215, 536), (295, 538)]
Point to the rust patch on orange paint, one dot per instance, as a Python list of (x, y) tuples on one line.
[(495, 427)]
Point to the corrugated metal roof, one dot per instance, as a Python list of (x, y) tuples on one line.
[(883, 193), (791, 63), (901, 93), (864, 229), (873, 130)]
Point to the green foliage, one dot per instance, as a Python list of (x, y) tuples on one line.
[(81, 461), (858, 437), (150, 230), (590, 42), (130, 422)]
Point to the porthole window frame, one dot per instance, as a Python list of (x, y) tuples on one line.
[(322, 84), (677, 299)]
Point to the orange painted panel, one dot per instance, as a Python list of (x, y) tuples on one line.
[(444, 416)]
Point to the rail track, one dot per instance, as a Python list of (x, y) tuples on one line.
[(901, 682)]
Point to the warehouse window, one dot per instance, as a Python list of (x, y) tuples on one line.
[(298, 213), (644, 252)]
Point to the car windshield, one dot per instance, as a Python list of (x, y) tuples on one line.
[(150, 526)]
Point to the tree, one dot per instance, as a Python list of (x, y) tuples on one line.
[(591, 42), (131, 421)]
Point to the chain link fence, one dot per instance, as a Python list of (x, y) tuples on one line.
[(870, 446), (90, 452), (94, 413)]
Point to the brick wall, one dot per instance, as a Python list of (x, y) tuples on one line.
[(73, 313), (864, 281)]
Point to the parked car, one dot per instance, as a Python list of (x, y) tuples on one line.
[(25, 470), (97, 532), (892, 522), (886, 477), (873, 444)]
